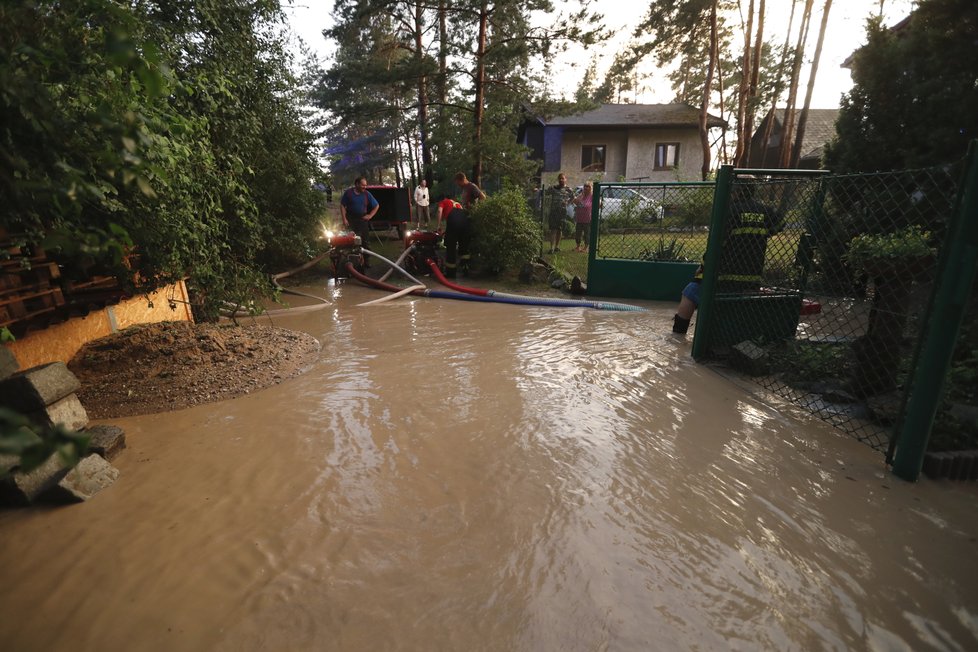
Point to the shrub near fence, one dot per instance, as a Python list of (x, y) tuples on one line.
[(865, 248)]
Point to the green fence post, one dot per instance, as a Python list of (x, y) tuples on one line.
[(721, 206), (954, 280), (592, 249)]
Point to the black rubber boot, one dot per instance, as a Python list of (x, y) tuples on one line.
[(680, 325)]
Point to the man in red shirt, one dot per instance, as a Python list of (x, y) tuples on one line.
[(458, 234)]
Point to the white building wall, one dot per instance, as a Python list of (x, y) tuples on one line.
[(641, 159), (630, 155), (616, 156)]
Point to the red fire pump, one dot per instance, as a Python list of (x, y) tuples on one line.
[(425, 247), (344, 248)]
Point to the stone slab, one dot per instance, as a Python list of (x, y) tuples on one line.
[(90, 476), (8, 463), (67, 412), (107, 441), (36, 388), (749, 358), (19, 489)]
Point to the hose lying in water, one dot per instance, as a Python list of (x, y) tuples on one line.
[(233, 314), (397, 262), (395, 265), (304, 266), (389, 297), (545, 301), (513, 299)]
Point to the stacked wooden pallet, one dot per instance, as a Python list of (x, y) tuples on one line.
[(29, 285), (33, 293)]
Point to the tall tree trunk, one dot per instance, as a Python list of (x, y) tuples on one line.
[(776, 93), (480, 93), (705, 104), (411, 156), (423, 126), (784, 156), (742, 134), (723, 133), (803, 118), (755, 77), (398, 160), (442, 53)]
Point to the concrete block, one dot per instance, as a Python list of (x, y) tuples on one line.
[(107, 441), (749, 358), (90, 476), (8, 463), (67, 412), (37, 387), (21, 489), (8, 363)]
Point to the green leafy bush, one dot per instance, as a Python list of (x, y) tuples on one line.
[(174, 136), (695, 207), (806, 361), (33, 444), (905, 244), (505, 234)]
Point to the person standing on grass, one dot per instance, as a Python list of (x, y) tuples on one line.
[(560, 198), (421, 201), (357, 208), (471, 193), (582, 217)]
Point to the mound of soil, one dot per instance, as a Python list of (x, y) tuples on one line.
[(172, 365)]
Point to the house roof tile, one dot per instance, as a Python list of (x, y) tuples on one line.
[(819, 129), (636, 115)]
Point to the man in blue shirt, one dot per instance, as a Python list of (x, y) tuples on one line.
[(357, 207)]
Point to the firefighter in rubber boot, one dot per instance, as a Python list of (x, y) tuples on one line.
[(688, 303), (741, 261), (750, 224), (458, 235)]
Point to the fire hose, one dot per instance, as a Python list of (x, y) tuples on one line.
[(496, 297), (544, 301)]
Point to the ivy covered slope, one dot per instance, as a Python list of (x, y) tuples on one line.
[(156, 141)]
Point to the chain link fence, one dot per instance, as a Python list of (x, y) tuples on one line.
[(652, 221), (818, 286)]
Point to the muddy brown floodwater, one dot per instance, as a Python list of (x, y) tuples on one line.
[(467, 476)]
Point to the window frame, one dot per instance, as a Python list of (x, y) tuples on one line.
[(666, 146), (590, 167)]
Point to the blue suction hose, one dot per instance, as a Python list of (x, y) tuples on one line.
[(496, 297)]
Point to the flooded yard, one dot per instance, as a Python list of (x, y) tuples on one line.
[(468, 476)]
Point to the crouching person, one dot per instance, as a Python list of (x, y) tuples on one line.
[(688, 304), (458, 236)]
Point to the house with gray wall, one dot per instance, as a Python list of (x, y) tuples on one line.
[(615, 142)]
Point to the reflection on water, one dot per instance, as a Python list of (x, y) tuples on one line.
[(468, 476)]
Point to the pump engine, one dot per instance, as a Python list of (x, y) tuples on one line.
[(344, 248), (424, 246)]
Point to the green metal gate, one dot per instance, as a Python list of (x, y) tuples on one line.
[(647, 238)]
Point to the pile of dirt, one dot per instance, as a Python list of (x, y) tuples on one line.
[(172, 365)]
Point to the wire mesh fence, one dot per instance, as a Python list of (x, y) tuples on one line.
[(652, 221), (819, 286)]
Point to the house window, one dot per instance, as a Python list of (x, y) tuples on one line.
[(666, 156), (592, 158)]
